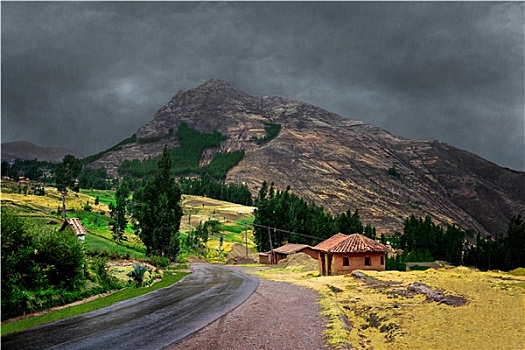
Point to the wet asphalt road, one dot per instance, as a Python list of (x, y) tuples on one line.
[(152, 321)]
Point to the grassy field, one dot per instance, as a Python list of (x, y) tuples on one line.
[(40, 210), (231, 217), (377, 316), (105, 197), (360, 315)]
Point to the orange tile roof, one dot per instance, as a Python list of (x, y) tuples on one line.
[(330, 242), (290, 248), (357, 243)]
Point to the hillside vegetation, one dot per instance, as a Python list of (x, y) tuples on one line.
[(187, 156), (105, 267)]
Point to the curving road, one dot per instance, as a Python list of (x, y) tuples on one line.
[(152, 321)]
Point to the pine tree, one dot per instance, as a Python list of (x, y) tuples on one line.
[(516, 243), (157, 211), (118, 212)]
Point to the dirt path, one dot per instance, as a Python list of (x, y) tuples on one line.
[(277, 316)]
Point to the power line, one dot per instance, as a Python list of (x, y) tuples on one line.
[(285, 231)]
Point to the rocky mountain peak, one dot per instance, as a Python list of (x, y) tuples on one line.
[(337, 162), (215, 85), (207, 94)]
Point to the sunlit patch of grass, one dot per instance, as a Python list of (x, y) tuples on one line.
[(520, 271), (104, 196), (100, 244), (492, 318), (51, 203)]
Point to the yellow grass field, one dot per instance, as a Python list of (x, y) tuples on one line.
[(366, 316), (41, 206)]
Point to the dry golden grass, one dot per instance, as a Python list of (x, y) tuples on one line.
[(365, 316), (52, 201)]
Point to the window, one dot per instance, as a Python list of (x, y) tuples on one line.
[(367, 261), (382, 259), (346, 261)]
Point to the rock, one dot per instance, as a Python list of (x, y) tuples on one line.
[(359, 275), (437, 296), (337, 162)]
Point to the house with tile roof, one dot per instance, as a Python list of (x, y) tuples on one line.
[(276, 255), (342, 254)]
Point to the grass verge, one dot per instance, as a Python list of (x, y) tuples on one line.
[(95, 304)]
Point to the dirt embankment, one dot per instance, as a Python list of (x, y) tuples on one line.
[(277, 316)]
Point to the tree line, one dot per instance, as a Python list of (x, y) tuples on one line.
[(423, 240), (289, 213), (207, 186), (503, 253), (45, 173)]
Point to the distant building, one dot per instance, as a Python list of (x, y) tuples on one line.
[(276, 255), (341, 254)]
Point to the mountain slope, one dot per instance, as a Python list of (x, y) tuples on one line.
[(338, 162), (27, 150)]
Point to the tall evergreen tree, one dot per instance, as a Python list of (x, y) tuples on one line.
[(516, 243), (118, 212), (453, 241), (349, 223), (157, 211), (65, 177)]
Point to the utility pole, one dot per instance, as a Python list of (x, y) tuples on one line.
[(246, 238), (271, 247)]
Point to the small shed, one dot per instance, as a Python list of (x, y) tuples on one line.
[(77, 228), (264, 258), (278, 254), (341, 254)]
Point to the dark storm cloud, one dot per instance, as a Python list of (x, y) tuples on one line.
[(86, 75)]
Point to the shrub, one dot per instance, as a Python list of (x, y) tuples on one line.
[(137, 273), (37, 268), (395, 263), (60, 254), (159, 261), (419, 256)]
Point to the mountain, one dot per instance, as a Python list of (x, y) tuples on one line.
[(27, 150), (337, 162)]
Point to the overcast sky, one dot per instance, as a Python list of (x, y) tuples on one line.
[(86, 75)]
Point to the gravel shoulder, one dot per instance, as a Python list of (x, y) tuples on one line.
[(277, 316)]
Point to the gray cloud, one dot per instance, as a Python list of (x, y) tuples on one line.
[(88, 74)]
